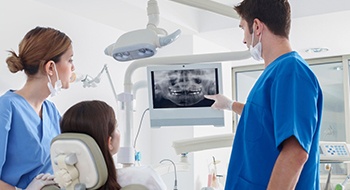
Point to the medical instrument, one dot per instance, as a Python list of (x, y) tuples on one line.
[(328, 183), (213, 177), (175, 181), (334, 151), (341, 186), (142, 43), (138, 153), (139, 128), (89, 81), (182, 166)]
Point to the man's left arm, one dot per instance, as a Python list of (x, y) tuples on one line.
[(288, 166)]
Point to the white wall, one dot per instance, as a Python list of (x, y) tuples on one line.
[(328, 30), (89, 40)]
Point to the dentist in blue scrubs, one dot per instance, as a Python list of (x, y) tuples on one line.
[(28, 121), (276, 141)]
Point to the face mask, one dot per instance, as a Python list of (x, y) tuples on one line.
[(255, 51), (58, 84)]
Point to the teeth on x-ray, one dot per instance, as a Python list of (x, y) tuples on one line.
[(184, 87), (182, 92)]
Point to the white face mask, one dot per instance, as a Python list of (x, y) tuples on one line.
[(255, 51), (58, 84)]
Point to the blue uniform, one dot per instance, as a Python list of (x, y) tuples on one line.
[(285, 101), (25, 139)]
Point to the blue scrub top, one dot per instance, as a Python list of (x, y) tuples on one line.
[(285, 101), (25, 139)]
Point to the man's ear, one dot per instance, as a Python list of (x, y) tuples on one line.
[(49, 67), (258, 26)]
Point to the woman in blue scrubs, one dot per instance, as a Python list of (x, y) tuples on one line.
[(276, 141), (28, 121)]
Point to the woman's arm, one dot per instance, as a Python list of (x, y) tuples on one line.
[(4, 185)]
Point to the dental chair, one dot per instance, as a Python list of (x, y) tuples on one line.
[(78, 163)]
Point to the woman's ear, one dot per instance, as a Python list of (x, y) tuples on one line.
[(49, 67), (110, 145)]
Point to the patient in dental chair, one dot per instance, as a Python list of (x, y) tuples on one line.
[(97, 119)]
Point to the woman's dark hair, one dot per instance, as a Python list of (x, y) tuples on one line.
[(96, 119)]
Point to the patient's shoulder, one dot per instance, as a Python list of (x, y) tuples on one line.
[(144, 175)]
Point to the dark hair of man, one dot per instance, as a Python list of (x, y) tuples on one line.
[(275, 14), (96, 119)]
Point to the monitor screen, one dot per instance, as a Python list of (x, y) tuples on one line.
[(176, 94)]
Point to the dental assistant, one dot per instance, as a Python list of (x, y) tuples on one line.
[(276, 141), (28, 121)]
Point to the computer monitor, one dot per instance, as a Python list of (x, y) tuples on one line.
[(176, 94)]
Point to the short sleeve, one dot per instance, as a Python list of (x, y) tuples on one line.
[(294, 107), (5, 126)]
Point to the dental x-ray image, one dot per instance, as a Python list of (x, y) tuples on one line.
[(184, 88)]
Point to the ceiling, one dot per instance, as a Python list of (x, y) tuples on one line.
[(127, 15)]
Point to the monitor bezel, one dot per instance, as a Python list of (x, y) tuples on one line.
[(185, 116)]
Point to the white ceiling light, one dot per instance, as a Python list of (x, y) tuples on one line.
[(317, 50), (142, 43)]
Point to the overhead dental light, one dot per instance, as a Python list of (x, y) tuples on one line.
[(142, 43)]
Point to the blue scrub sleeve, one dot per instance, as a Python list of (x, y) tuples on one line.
[(5, 126), (294, 106)]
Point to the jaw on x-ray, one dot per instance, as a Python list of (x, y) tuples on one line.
[(184, 88)]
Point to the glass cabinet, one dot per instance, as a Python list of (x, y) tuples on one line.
[(333, 76)]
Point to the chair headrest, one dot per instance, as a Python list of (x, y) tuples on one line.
[(78, 158)]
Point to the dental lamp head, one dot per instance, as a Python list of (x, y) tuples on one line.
[(139, 44), (142, 43)]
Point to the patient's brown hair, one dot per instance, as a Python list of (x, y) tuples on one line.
[(96, 119)]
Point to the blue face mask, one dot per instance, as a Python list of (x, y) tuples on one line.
[(255, 51), (58, 84)]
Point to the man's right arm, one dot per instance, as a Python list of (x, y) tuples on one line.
[(237, 107), (224, 103)]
